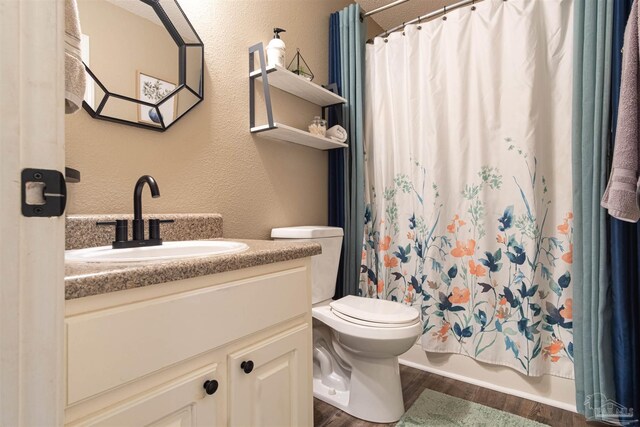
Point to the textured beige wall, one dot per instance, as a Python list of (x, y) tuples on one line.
[(208, 162)]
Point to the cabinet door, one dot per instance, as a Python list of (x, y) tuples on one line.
[(180, 403), (273, 387)]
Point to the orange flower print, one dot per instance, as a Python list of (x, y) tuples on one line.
[(477, 269), (411, 235), (380, 286), (461, 249), (503, 312), (451, 228), (552, 350), (443, 333), (568, 257), (458, 251), (386, 242), (503, 301), (459, 296), (364, 255), (500, 238), (410, 294), (567, 311), (564, 227), (390, 261), (471, 247)]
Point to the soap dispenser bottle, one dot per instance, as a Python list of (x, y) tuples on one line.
[(276, 49)]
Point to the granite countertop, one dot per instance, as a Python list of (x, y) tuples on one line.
[(86, 279)]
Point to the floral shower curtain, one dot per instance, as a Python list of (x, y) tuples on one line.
[(468, 178)]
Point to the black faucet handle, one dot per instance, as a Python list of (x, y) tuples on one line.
[(154, 227), (122, 229)]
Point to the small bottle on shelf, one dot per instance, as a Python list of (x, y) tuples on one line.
[(276, 49)]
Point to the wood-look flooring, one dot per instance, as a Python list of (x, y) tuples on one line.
[(415, 381)]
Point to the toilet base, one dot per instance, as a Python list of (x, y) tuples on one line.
[(337, 398), (375, 392)]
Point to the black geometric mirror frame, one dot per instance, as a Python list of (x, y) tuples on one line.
[(183, 46)]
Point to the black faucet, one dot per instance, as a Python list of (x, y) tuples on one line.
[(121, 241), (138, 222)]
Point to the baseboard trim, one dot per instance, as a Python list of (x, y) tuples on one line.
[(409, 359)]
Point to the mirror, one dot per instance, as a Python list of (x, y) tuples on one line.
[(144, 62)]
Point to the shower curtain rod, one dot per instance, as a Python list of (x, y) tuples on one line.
[(383, 8), (429, 15)]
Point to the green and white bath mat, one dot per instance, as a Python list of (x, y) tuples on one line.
[(438, 409)]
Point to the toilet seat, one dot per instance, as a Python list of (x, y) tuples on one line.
[(370, 318), (374, 312), (368, 323), (327, 316)]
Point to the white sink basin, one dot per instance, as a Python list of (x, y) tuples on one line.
[(167, 251)]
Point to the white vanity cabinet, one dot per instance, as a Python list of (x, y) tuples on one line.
[(143, 356)]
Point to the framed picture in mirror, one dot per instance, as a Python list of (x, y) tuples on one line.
[(154, 90)]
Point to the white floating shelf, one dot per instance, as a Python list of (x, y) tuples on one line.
[(299, 86), (287, 133)]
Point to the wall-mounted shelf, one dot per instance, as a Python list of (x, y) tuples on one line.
[(296, 85), (287, 133)]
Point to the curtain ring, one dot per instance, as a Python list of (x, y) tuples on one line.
[(386, 37), (444, 17), (473, 5), (419, 27), (404, 24)]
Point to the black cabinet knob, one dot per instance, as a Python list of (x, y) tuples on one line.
[(210, 386), (247, 366)]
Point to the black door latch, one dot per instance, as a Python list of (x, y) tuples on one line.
[(44, 193)]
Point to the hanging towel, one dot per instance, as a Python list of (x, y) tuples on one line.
[(621, 195), (337, 133), (75, 79)]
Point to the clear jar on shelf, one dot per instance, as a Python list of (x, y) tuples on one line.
[(318, 126)]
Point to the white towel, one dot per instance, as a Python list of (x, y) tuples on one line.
[(75, 79), (623, 189), (337, 133)]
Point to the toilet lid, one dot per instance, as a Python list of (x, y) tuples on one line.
[(375, 310), (372, 324)]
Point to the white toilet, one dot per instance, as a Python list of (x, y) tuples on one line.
[(356, 341)]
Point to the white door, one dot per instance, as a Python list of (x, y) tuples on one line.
[(270, 382), (31, 249)]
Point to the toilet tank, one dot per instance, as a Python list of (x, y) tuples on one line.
[(324, 267)]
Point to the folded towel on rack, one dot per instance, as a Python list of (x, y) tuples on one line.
[(621, 196), (75, 78), (337, 133)]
